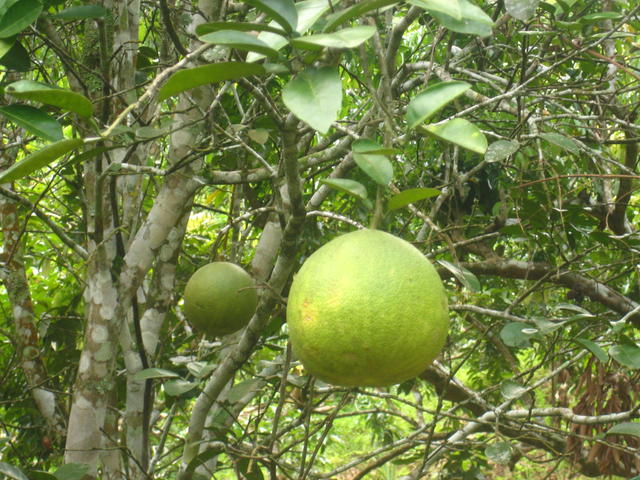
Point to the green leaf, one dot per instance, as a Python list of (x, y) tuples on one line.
[(597, 17), (499, 452), (40, 475), (473, 20), (517, 334), (275, 68), (239, 41), (147, 59), (71, 471), (366, 145), (249, 469), (240, 390), (448, 7), (346, 38), (561, 141), (512, 390), (205, 28), (570, 26), (521, 9), (594, 348), (428, 102), (464, 276), (19, 16), (39, 159), (206, 455), (258, 135), (82, 12), (356, 10), (563, 6), (17, 58), (583, 312), (545, 326), (625, 428), (174, 388), (377, 166), (81, 157), (347, 186), (148, 373), (626, 354), (33, 120), (200, 369), (460, 132), (216, 72), (309, 12), (315, 97), (12, 472), (6, 44), (281, 11), (4, 6), (410, 196), (272, 40), (47, 94), (148, 132), (501, 149)]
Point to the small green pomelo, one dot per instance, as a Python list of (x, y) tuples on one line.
[(367, 309), (220, 298)]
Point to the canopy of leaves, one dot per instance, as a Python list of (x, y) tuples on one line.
[(142, 140)]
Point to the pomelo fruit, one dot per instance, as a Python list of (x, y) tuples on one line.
[(220, 298), (367, 309)]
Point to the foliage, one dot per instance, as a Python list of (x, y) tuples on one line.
[(142, 140)]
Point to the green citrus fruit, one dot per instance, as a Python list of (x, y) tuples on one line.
[(367, 309), (220, 298)]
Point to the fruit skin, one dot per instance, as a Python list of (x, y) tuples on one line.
[(367, 309), (220, 298)]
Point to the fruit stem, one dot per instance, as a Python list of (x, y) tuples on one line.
[(377, 213)]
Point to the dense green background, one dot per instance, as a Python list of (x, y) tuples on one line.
[(500, 137)]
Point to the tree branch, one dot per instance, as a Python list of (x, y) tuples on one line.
[(596, 291), (57, 230)]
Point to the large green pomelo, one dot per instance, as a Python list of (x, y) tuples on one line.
[(367, 309), (220, 298)]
